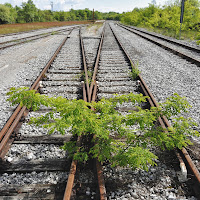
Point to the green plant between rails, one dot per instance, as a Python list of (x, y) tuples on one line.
[(82, 75), (135, 70), (54, 32), (137, 128)]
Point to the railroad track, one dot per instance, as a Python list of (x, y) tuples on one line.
[(21, 40), (110, 75), (187, 52), (62, 77)]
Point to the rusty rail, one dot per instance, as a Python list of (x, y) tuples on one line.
[(163, 38), (88, 95), (162, 120), (96, 65), (84, 66)]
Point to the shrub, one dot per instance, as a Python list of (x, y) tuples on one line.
[(137, 128)]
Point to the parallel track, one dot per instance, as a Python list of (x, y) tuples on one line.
[(11, 43), (59, 77), (162, 120), (187, 52)]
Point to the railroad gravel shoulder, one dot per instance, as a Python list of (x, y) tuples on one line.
[(20, 65)]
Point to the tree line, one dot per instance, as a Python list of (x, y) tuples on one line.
[(166, 17), (28, 12)]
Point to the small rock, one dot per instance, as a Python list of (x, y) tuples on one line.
[(9, 159), (30, 156), (171, 196), (134, 195)]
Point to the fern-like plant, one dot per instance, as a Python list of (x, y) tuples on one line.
[(136, 128)]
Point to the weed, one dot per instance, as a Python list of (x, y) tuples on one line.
[(104, 120), (54, 32), (135, 71)]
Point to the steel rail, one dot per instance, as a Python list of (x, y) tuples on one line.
[(101, 182), (24, 32), (84, 65), (18, 113), (93, 93), (71, 177), (96, 64), (162, 120), (91, 96), (48, 33), (72, 173), (163, 38), (176, 52)]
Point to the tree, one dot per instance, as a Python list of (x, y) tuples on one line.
[(137, 128), (29, 11), (20, 15), (5, 15), (13, 13)]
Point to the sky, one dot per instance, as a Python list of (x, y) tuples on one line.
[(100, 5)]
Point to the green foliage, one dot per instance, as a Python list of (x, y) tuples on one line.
[(174, 105), (166, 18), (198, 39), (5, 14), (29, 13), (109, 126), (135, 71)]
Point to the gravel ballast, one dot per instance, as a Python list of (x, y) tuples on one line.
[(160, 182), (20, 66), (23, 65), (164, 72)]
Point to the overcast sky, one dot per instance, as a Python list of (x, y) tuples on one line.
[(100, 5)]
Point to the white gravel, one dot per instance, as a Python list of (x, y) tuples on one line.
[(164, 72), (33, 178), (20, 65), (155, 184), (34, 152)]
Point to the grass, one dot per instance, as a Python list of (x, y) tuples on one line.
[(135, 71), (96, 26), (15, 28)]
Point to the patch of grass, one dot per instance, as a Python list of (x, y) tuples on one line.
[(54, 32), (198, 39), (95, 26), (15, 28), (135, 71)]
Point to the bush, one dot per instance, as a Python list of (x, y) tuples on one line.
[(109, 126)]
